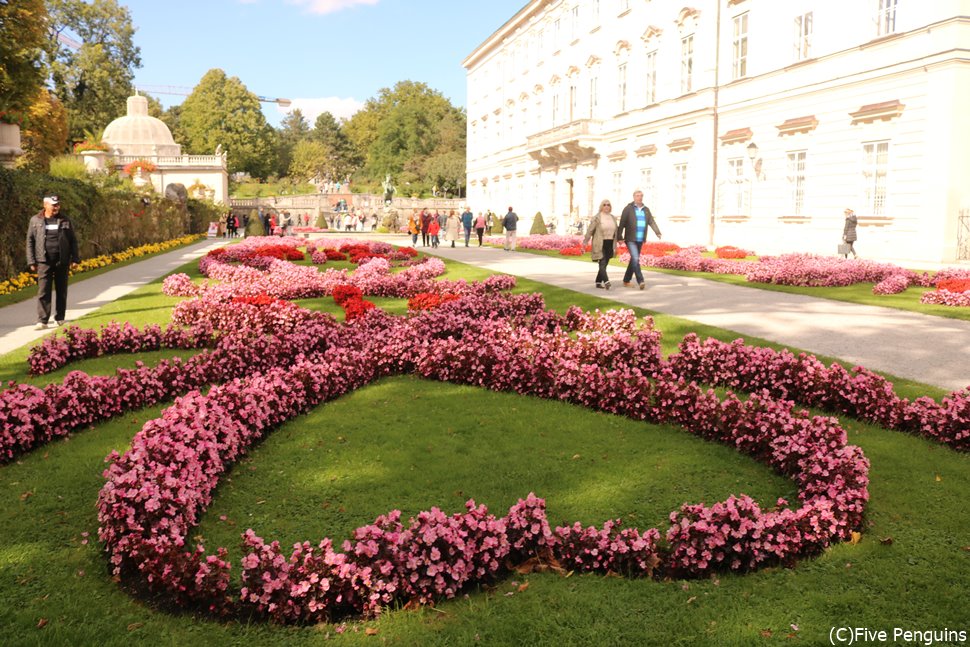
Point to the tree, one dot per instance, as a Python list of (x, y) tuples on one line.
[(94, 80), (311, 160), (447, 170), (345, 159), (221, 111), (45, 134), (405, 126), (294, 128), (22, 38)]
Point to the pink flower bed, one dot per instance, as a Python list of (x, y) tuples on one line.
[(155, 493), (892, 284), (860, 393)]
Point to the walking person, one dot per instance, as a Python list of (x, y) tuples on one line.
[(480, 227), (632, 229), (51, 250), (433, 230), (466, 222), (849, 235), (426, 219), (601, 230), (510, 223), (414, 228), (451, 226)]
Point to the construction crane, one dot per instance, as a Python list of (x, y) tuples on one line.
[(184, 91), (179, 90)]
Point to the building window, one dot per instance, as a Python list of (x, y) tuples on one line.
[(740, 66), (593, 98), (680, 188), (617, 183), (552, 201), (595, 12), (621, 87), (651, 77), (555, 35), (540, 43), (623, 5), (572, 101), (686, 64), (590, 190), (875, 163), (735, 200), (646, 185), (574, 23), (803, 36), (796, 180), (886, 17), (539, 114), (555, 107)]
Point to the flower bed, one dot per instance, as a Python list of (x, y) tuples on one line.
[(729, 251), (860, 393), (146, 514)]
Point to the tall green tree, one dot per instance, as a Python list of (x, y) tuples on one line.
[(403, 127), (22, 39), (293, 129), (221, 111), (92, 80), (311, 160), (345, 158)]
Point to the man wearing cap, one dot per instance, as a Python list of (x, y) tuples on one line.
[(51, 250), (510, 223)]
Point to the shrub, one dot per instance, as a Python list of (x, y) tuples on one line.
[(538, 225)]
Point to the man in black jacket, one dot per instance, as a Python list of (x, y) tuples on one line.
[(51, 250), (632, 229)]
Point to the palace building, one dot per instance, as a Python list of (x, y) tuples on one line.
[(745, 122)]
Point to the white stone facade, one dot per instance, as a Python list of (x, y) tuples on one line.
[(745, 122)]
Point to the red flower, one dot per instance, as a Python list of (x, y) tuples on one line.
[(344, 293)]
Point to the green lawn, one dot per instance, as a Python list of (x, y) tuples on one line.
[(860, 293), (410, 444)]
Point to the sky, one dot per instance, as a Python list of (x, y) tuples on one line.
[(321, 54)]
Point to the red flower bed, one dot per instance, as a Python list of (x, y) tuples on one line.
[(430, 300), (729, 251), (572, 251), (282, 252), (658, 249), (954, 285), (334, 255), (344, 293)]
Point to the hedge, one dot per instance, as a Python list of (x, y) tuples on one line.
[(105, 221)]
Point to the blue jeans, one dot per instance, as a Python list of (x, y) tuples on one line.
[(633, 267)]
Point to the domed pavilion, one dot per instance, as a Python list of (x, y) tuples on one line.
[(139, 136)]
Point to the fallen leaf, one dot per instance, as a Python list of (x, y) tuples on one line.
[(691, 599), (523, 587), (26, 495), (966, 548), (80, 573), (261, 502), (510, 594), (766, 633), (938, 478), (135, 625), (370, 631), (856, 537), (886, 541), (42, 623), (575, 456)]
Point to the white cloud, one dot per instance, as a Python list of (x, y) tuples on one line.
[(331, 6), (313, 107)]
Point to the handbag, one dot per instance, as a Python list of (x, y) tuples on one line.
[(844, 249)]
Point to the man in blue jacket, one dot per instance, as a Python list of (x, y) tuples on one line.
[(632, 229), (51, 250), (510, 224)]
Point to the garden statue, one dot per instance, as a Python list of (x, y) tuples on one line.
[(388, 188)]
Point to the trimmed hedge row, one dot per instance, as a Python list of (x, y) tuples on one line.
[(106, 222)]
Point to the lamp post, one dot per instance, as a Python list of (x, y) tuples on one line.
[(756, 161)]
